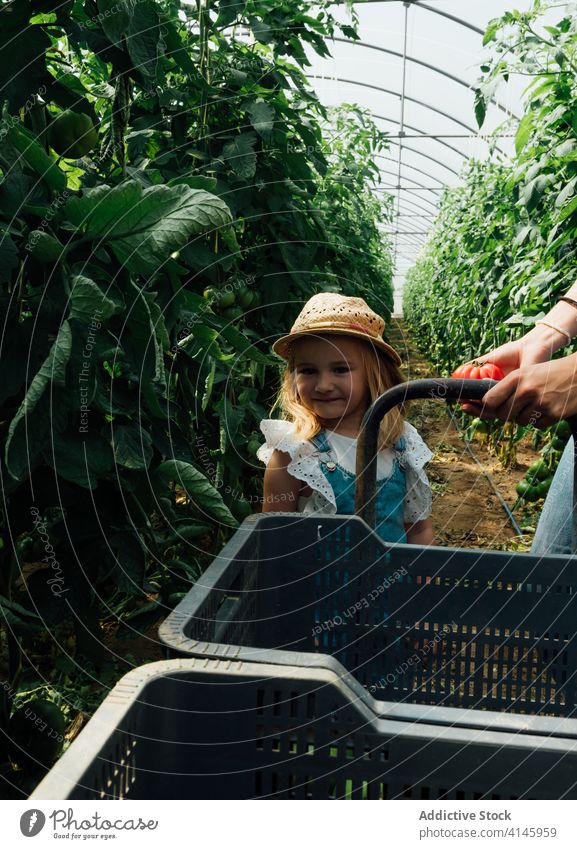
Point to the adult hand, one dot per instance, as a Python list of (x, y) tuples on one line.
[(537, 346), (539, 394)]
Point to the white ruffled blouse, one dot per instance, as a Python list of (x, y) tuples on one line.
[(305, 466)]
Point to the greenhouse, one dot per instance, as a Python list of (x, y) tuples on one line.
[(288, 400)]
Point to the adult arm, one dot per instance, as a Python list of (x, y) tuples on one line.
[(534, 390)]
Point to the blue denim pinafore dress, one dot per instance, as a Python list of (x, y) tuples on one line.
[(389, 513)]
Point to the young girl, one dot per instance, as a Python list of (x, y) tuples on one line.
[(337, 364)]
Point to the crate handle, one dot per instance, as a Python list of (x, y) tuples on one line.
[(366, 456)]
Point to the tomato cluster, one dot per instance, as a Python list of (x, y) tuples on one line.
[(479, 371), (230, 304), (536, 483)]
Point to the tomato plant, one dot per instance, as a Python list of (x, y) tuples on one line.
[(148, 155)]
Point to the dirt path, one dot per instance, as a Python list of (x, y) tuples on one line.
[(466, 511)]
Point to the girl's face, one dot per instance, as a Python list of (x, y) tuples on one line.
[(331, 380)]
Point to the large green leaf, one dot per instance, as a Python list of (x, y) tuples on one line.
[(144, 227), (17, 617), (23, 65), (204, 496), (261, 117), (88, 301), (25, 424), (566, 192), (228, 11), (568, 209), (115, 16), (142, 340), (143, 36), (244, 346), (240, 156), (83, 460), (231, 417), (202, 342), (132, 447)]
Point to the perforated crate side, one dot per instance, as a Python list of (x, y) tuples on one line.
[(217, 729)]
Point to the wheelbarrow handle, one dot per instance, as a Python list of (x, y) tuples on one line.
[(443, 389)]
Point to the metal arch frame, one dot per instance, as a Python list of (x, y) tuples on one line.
[(395, 223), (411, 167), (406, 243), (424, 65), (447, 15), (412, 206), (420, 5), (420, 185), (414, 235), (416, 129), (409, 210), (409, 238), (395, 94), (427, 156), (410, 179)]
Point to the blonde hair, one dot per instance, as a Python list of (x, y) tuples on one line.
[(381, 373)]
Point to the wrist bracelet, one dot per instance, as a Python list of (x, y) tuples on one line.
[(554, 327), (568, 300)]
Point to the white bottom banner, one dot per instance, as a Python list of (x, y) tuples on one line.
[(221, 823)]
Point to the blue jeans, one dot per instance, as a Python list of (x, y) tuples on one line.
[(553, 534)]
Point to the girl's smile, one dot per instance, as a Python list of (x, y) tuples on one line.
[(331, 382)]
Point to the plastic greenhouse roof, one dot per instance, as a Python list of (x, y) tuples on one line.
[(415, 68)]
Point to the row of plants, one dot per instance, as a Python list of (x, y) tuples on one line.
[(502, 249), (171, 191)]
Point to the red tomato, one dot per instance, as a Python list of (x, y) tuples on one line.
[(479, 371)]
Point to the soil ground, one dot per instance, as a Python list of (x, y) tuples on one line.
[(466, 510)]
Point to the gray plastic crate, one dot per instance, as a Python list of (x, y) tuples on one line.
[(326, 592), (200, 729)]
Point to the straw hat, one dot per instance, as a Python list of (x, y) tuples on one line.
[(328, 312)]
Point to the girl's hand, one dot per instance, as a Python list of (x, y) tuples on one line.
[(539, 394), (420, 533)]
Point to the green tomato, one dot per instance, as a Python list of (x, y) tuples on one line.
[(532, 493), (543, 487), (210, 293), (538, 471), (72, 134), (233, 312), (522, 488), (226, 299), (563, 430), (245, 298), (557, 444)]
